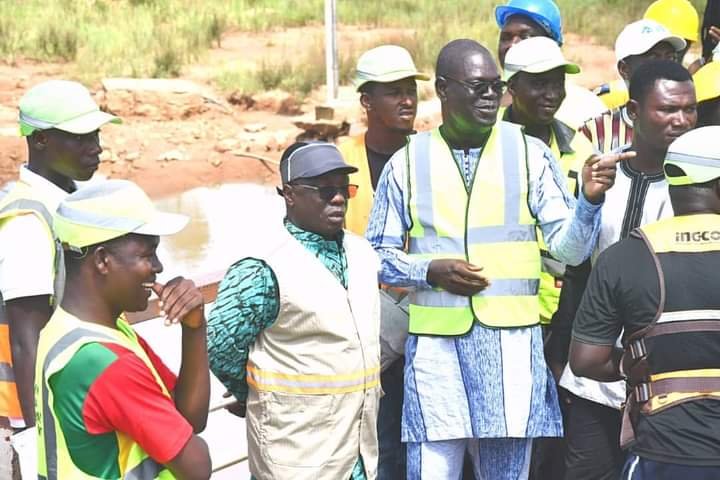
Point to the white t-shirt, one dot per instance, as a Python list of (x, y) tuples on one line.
[(634, 200), (26, 250), (26, 258)]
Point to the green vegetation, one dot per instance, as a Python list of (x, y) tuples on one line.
[(157, 37)]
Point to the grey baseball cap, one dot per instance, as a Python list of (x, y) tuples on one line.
[(311, 160)]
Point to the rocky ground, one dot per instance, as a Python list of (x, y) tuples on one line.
[(182, 133)]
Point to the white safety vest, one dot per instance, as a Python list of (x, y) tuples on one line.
[(314, 375)]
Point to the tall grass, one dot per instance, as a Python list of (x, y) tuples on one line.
[(300, 75), (157, 38)]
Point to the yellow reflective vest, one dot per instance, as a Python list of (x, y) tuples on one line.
[(489, 225), (358, 210), (61, 338), (571, 150), (22, 200)]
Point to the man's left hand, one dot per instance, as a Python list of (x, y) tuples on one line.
[(598, 174), (237, 408)]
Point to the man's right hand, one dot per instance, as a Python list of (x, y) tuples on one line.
[(457, 276), (180, 301)]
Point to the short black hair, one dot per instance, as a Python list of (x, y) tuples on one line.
[(646, 75), (367, 88)]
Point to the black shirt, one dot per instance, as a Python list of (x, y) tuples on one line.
[(623, 293), (376, 162)]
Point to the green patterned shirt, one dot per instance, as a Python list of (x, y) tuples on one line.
[(248, 302)]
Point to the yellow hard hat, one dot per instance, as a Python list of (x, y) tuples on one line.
[(707, 82), (678, 16)]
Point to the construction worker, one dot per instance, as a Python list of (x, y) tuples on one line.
[(666, 309), (60, 121), (106, 404), (521, 19), (475, 376), (535, 73), (637, 43), (386, 79), (707, 88), (535, 70), (662, 107), (294, 333), (678, 16)]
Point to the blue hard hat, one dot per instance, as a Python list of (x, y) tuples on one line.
[(544, 12)]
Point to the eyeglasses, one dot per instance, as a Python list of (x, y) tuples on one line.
[(481, 86), (329, 192)]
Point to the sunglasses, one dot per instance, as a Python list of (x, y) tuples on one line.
[(481, 86), (329, 192)]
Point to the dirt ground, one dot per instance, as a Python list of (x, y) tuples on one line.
[(184, 133)]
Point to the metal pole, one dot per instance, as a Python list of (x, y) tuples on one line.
[(331, 57)]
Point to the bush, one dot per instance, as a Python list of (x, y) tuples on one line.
[(58, 42)]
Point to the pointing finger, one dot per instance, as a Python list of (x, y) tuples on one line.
[(611, 159)]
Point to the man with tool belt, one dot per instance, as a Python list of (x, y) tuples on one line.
[(660, 286)]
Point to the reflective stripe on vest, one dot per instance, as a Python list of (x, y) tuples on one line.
[(487, 226), (23, 206), (552, 269), (9, 401), (313, 384), (144, 468)]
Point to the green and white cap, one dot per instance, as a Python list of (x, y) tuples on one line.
[(110, 209), (63, 105), (696, 156), (384, 64)]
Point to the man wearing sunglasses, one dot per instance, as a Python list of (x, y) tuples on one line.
[(294, 334), (466, 199)]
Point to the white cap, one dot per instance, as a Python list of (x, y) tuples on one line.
[(639, 37), (384, 64), (696, 154), (536, 55)]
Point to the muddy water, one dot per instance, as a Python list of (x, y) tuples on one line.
[(224, 221)]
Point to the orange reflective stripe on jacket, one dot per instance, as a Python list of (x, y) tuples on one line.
[(313, 384), (9, 403)]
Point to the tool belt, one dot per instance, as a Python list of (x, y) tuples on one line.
[(648, 395)]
